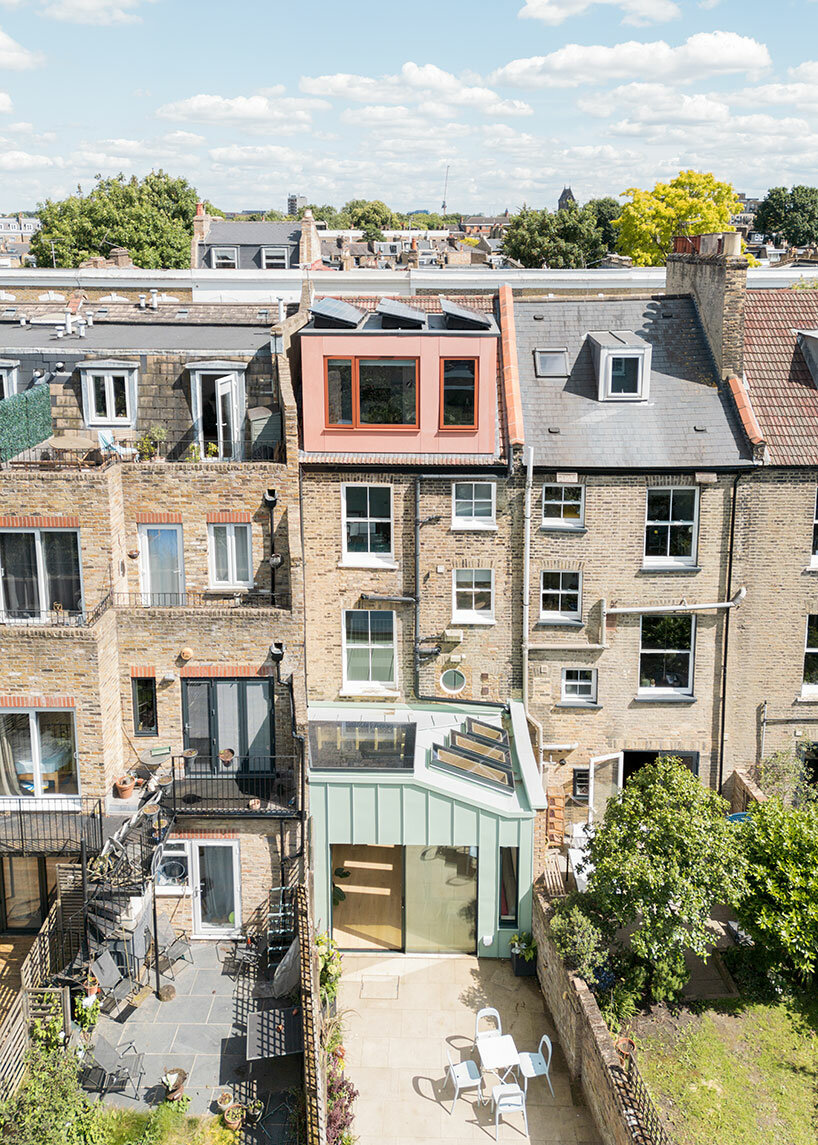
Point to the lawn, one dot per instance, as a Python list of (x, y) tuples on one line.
[(164, 1126), (736, 1071)]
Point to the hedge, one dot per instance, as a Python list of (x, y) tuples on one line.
[(25, 421)]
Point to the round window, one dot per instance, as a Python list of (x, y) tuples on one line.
[(453, 680)]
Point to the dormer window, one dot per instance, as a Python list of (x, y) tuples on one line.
[(225, 258), (622, 362), (109, 392), (8, 378)]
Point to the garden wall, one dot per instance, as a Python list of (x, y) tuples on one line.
[(741, 792)]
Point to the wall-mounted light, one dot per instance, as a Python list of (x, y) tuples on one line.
[(487, 939), (186, 654), (133, 554)]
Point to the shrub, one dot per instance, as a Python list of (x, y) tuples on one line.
[(329, 958), (50, 1107), (579, 940), (341, 1094), (785, 774)]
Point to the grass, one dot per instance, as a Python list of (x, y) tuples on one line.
[(739, 1072), (164, 1126)]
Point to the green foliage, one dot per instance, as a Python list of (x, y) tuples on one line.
[(338, 894), (563, 240), (662, 856), (25, 421), (49, 1032), (523, 945), (779, 906), (621, 1002), (578, 938), (151, 217), (785, 775), (147, 446), (372, 234), (694, 203), (792, 214), (369, 213), (193, 453), (604, 212), (335, 220), (329, 959), (50, 1107), (86, 1011)]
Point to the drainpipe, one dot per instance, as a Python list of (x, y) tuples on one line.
[(271, 500), (529, 482), (723, 719)]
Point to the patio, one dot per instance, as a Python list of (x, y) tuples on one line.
[(202, 1030), (401, 1012)]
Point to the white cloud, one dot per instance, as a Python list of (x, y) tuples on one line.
[(23, 161), (414, 82), (806, 72), (254, 156), (638, 12), (98, 12), (802, 95), (183, 138), (256, 112), (655, 103), (700, 56), (5, 102), (15, 57)]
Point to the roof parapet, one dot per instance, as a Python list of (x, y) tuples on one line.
[(511, 368), (747, 417)]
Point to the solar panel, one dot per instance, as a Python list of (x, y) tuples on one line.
[(398, 316), (461, 318), (331, 313)]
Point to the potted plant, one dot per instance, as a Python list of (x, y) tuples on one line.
[(194, 453), (174, 1083), (233, 1116), (124, 786), (91, 985), (147, 446), (211, 449), (253, 1112), (523, 954), (227, 755), (224, 1100), (86, 1011)]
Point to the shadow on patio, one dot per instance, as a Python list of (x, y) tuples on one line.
[(402, 1012)]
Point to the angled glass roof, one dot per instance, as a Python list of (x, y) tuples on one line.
[(467, 766), (362, 744)]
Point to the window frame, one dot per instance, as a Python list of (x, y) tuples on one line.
[(368, 559), (8, 382), (136, 681), (508, 921), (232, 563), (175, 890), (368, 687), (217, 251), (356, 423), (279, 251), (605, 355), (468, 428), (146, 590), (551, 350), (560, 523), (808, 690), (88, 376), (581, 776), (472, 616), (453, 691), (667, 561), (814, 558), (477, 524), (576, 700), (548, 616), (36, 755), (642, 692), (236, 384), (41, 575)]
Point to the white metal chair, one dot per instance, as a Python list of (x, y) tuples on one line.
[(491, 1032), (537, 1064), (109, 444), (508, 1098), (464, 1075)]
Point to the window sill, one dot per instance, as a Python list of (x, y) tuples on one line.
[(375, 565), (672, 569), (470, 618), (563, 529), (173, 892), (370, 693), (807, 698), (811, 569), (558, 622), (578, 704), (666, 699), (473, 527)]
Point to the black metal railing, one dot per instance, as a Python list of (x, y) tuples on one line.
[(214, 598), (46, 617), (189, 450), (238, 786), (134, 450), (43, 826)]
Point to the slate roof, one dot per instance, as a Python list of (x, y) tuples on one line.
[(226, 232), (657, 434), (153, 338), (782, 391)]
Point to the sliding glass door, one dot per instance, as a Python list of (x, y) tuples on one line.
[(441, 900), (39, 573)]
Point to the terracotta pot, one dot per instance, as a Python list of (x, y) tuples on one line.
[(254, 805), (91, 989), (233, 1116), (124, 786), (227, 755)]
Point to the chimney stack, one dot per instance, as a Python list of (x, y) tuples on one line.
[(309, 246), (713, 270)]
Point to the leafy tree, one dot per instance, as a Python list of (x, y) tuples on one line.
[(152, 217), (335, 220), (793, 214), (694, 203), (604, 212), (565, 239), (372, 234), (369, 213), (785, 774), (50, 1107), (779, 907), (663, 854)]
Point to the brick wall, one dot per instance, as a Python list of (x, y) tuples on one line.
[(718, 283), (741, 791)]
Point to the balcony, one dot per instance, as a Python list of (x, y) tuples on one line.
[(256, 598), (53, 826), (242, 787), (78, 452)]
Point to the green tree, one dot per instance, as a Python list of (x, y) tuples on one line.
[(793, 214), (663, 854), (565, 239), (372, 234), (151, 217), (694, 203), (779, 907), (604, 212), (369, 213), (335, 220)]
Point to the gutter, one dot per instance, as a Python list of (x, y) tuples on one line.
[(642, 609)]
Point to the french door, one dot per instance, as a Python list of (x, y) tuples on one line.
[(229, 716), (218, 401), (161, 565), (28, 885), (604, 781), (216, 883)]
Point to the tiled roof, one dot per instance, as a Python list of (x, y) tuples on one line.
[(782, 391)]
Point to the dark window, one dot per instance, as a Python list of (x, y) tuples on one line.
[(509, 858), (666, 659), (670, 525), (459, 397), (145, 721), (581, 784), (811, 654), (386, 392), (339, 391), (624, 375)]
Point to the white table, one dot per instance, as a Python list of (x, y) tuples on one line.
[(498, 1055)]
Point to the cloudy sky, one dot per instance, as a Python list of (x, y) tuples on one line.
[(373, 99)]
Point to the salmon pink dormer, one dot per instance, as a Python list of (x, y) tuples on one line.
[(399, 379)]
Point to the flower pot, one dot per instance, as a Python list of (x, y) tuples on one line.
[(523, 968), (91, 989), (149, 810), (225, 1100), (254, 805), (227, 755), (233, 1116), (253, 1114), (124, 786)]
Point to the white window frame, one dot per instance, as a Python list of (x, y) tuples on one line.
[(367, 560), (810, 690), (32, 801), (476, 524), (144, 567), (234, 381), (8, 380), (369, 687), (472, 616), (233, 580), (559, 616), (607, 353), (668, 561), (814, 558), (199, 930), (275, 252), (179, 847), (560, 522), (92, 418), (231, 252), (574, 699), (45, 605), (563, 373), (691, 654)]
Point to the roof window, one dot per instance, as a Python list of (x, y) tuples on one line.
[(622, 363), (551, 363)]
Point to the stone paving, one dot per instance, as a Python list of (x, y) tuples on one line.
[(402, 1011)]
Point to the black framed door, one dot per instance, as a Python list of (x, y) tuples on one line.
[(28, 884), (221, 715)]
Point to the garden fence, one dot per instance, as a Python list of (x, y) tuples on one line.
[(25, 421)]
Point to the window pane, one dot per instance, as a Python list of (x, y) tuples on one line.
[(673, 632), (62, 571), (681, 540), (17, 754), (570, 582), (57, 753), (659, 505), (661, 670), (356, 500), (684, 504), (624, 375), (550, 581), (459, 404), (119, 386), (357, 623), (221, 559), (357, 536), (144, 699), (508, 886), (357, 664), (339, 391), (242, 535), (19, 560), (380, 627), (812, 632), (383, 665), (811, 668), (656, 540), (386, 392), (100, 403), (379, 501), (380, 537)]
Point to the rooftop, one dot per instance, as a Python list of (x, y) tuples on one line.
[(229, 232), (138, 336), (688, 421)]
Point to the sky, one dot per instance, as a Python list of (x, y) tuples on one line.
[(372, 99)]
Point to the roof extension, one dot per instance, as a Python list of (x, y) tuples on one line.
[(226, 232)]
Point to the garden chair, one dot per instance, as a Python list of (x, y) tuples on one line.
[(464, 1075), (508, 1098), (491, 1032), (114, 987), (174, 946), (537, 1064), (116, 1068), (108, 444)]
